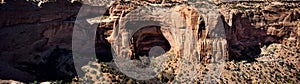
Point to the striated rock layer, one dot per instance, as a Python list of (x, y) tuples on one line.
[(249, 26), (193, 20), (36, 41), (252, 26)]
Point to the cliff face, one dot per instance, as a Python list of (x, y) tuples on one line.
[(36, 42), (255, 31), (190, 19), (249, 26), (252, 26)]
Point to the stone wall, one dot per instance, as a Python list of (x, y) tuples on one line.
[(36, 40)]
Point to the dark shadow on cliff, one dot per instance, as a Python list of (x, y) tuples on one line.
[(142, 42), (57, 66), (244, 40), (102, 47)]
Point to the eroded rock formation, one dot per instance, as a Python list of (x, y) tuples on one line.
[(192, 19), (146, 38), (36, 41), (251, 26)]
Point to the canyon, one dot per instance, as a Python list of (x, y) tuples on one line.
[(250, 36)]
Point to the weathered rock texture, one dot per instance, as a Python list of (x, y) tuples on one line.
[(146, 38), (252, 31), (36, 42), (270, 22), (193, 20), (252, 26)]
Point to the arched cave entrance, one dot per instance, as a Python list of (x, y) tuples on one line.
[(146, 38)]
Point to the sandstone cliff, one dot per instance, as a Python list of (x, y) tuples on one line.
[(259, 40)]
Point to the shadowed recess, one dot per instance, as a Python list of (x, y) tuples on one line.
[(146, 38)]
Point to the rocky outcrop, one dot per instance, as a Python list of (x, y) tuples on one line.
[(251, 26), (36, 41), (192, 19), (146, 38)]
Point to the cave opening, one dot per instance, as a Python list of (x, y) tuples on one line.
[(148, 39)]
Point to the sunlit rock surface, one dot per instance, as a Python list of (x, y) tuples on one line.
[(261, 42)]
